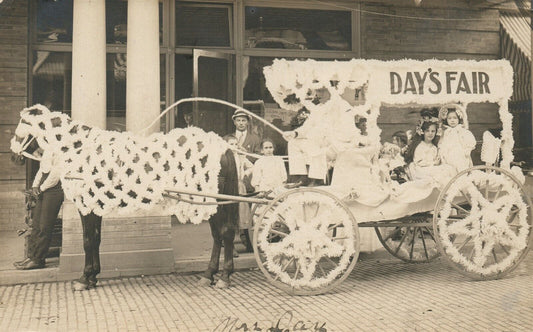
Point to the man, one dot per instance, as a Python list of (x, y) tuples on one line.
[(246, 140), (47, 188)]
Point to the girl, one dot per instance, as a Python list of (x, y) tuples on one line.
[(425, 163), (269, 171), (457, 142)]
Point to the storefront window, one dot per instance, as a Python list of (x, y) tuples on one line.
[(297, 29), (116, 90), (183, 85), (117, 19), (202, 25), (52, 80), (54, 21)]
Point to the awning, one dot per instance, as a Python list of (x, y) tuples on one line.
[(515, 39)]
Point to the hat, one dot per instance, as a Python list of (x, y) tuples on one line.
[(238, 113)]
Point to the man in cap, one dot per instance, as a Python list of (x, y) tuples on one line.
[(246, 140)]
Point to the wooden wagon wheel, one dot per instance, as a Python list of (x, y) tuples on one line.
[(410, 239), (483, 222), (306, 241)]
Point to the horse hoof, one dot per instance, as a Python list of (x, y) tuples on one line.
[(222, 284), (79, 286), (203, 281)]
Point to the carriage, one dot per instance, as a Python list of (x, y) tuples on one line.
[(306, 240)]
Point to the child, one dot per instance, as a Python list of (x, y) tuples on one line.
[(425, 160), (244, 168), (457, 142), (269, 171)]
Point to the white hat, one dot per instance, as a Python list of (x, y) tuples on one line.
[(238, 113)]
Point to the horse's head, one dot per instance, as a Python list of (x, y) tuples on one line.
[(35, 126)]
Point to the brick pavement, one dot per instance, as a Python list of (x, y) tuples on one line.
[(386, 295)]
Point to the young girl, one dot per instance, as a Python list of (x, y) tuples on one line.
[(425, 160), (269, 171), (457, 142)]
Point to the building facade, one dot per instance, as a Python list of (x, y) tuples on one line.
[(116, 64)]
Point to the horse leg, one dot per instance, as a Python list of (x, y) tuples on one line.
[(228, 236), (212, 268), (95, 250), (88, 226)]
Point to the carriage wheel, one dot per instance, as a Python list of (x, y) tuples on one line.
[(483, 221), (411, 240), (306, 241)]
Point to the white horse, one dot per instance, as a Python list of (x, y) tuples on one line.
[(104, 171)]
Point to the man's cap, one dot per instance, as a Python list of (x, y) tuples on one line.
[(238, 113)]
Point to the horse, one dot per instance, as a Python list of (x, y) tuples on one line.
[(104, 171)]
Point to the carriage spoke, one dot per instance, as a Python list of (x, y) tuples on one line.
[(498, 192), (305, 213), (458, 207), (396, 230), (424, 243), (464, 243), (329, 259), (339, 238), (287, 265), (321, 269), (413, 243), (297, 271), (494, 256), (334, 226), (430, 233), (403, 239), (278, 232), (503, 247), (486, 189), (466, 197)]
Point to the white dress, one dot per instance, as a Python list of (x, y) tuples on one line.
[(268, 173), (455, 147), (425, 166)]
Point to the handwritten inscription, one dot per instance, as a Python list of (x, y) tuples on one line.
[(433, 82), (285, 323)]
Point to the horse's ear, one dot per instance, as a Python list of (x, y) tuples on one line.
[(36, 109)]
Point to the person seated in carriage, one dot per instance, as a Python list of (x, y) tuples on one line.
[(457, 141)]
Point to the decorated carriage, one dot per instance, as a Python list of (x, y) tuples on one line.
[(307, 240)]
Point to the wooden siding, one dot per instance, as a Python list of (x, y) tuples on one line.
[(13, 79), (13, 98)]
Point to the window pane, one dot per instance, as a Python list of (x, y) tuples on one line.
[(184, 76), (202, 25), (51, 80), (117, 19), (297, 29), (54, 21), (116, 90)]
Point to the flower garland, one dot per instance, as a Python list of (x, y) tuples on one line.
[(307, 242), (487, 223), (103, 171), (294, 84)]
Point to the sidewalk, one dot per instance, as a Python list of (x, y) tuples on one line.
[(377, 296)]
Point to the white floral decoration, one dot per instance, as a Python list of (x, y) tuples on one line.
[(104, 171), (307, 242), (487, 223), (293, 83)]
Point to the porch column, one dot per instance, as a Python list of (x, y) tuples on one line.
[(89, 63), (142, 75)]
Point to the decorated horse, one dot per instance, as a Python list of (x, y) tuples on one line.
[(104, 171)]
